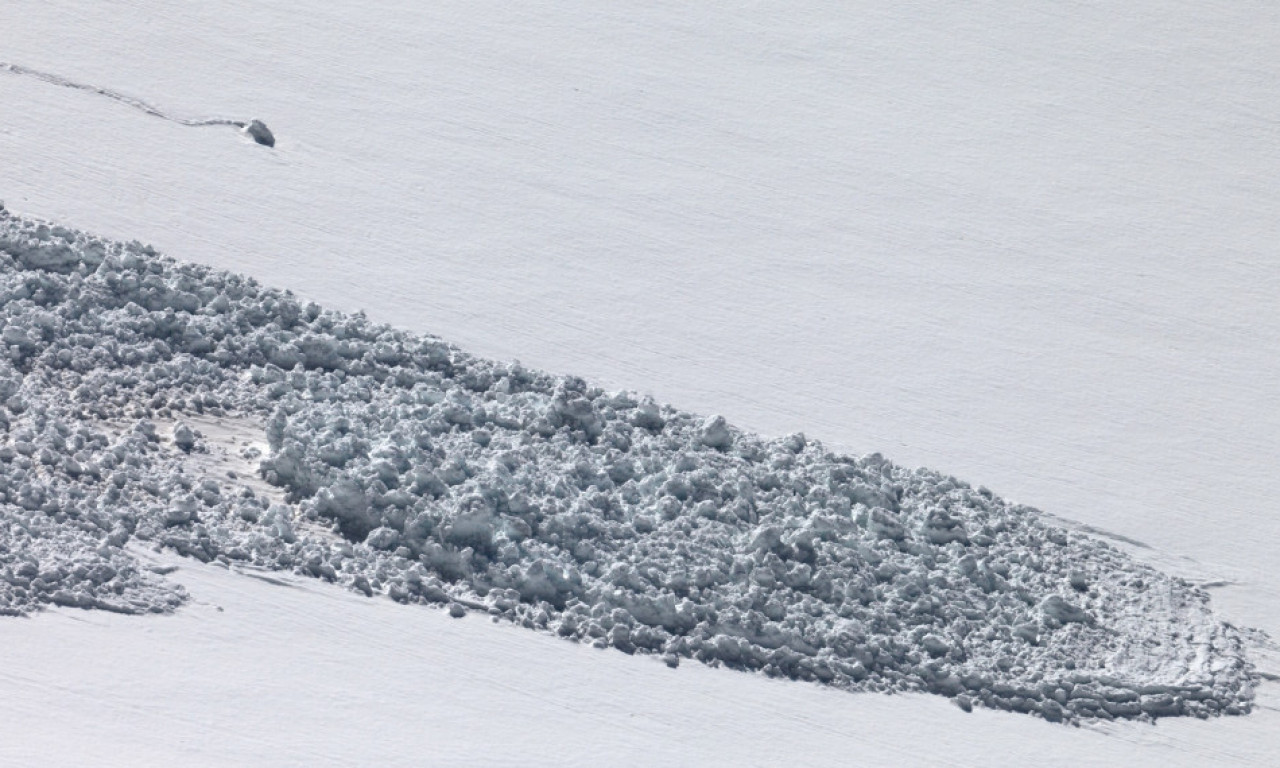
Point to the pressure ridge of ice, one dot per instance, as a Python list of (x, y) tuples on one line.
[(397, 464)]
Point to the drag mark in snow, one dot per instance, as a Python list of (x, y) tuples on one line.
[(256, 129)]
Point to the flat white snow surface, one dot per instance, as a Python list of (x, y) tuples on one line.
[(1035, 248)]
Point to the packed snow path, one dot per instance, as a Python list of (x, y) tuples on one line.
[(133, 388), (254, 129)]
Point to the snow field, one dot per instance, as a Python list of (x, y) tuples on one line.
[(270, 668)]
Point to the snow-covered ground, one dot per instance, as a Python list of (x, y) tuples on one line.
[(256, 673), (1034, 249)]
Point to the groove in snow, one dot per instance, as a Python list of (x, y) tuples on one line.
[(255, 129)]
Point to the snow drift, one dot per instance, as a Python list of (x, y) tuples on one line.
[(397, 464)]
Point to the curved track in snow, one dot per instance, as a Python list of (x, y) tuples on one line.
[(139, 104)]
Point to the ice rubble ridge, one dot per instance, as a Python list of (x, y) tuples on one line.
[(418, 471)]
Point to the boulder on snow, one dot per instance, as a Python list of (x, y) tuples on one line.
[(259, 132)]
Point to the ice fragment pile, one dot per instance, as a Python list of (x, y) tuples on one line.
[(397, 464)]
